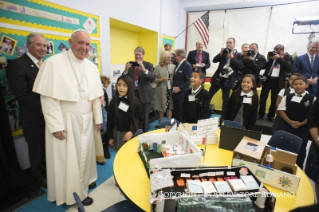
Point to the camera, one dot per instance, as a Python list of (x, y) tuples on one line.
[(250, 52), (272, 53), (226, 50), (226, 70)]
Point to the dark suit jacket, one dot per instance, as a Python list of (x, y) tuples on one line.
[(144, 82), (182, 77), (254, 66), (236, 64), (285, 64), (21, 74), (302, 65), (191, 58)]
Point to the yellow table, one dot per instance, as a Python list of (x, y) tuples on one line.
[(132, 178), (217, 100)]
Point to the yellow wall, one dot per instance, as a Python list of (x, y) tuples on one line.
[(123, 43), (148, 41), (125, 37)]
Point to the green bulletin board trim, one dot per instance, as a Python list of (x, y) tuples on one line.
[(170, 40), (14, 12)]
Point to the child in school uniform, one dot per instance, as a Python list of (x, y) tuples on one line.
[(125, 115), (196, 100), (242, 106), (284, 92), (294, 108)]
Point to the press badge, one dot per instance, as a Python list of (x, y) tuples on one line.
[(247, 100), (123, 106), (169, 86), (296, 99), (275, 72), (191, 98)]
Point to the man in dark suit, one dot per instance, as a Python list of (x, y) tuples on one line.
[(181, 82), (308, 66), (142, 77), (21, 74), (198, 58), (276, 70), (253, 63), (230, 63)]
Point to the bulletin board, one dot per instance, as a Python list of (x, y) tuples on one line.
[(16, 48), (48, 16), (170, 40)]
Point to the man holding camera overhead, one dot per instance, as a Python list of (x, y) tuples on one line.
[(230, 62), (278, 63)]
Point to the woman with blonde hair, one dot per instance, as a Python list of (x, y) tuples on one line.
[(164, 80)]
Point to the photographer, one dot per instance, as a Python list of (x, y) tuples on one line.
[(230, 62), (276, 68), (253, 61)]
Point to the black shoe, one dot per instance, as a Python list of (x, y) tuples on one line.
[(92, 185), (87, 201), (271, 119), (44, 183), (260, 116), (101, 163), (107, 154)]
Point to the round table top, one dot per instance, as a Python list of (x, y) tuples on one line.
[(133, 180)]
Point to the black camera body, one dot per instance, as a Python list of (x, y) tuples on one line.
[(250, 52), (225, 70), (272, 53), (227, 50)]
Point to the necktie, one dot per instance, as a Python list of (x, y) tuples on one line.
[(137, 70), (39, 63), (311, 63), (177, 67)]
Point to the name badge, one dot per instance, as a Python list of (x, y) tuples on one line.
[(169, 86), (275, 72), (123, 106), (247, 100), (296, 99), (191, 98)]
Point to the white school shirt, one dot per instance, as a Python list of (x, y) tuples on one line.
[(282, 91), (283, 103)]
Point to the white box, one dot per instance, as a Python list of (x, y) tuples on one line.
[(171, 138)]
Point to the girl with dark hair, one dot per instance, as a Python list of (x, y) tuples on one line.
[(125, 115), (242, 106)]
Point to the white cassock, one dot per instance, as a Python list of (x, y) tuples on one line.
[(70, 163)]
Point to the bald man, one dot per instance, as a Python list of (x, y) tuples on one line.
[(198, 58)]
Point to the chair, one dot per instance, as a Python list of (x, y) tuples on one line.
[(138, 132), (165, 123), (78, 202), (124, 205), (285, 141), (233, 124)]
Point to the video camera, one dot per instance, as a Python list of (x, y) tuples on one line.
[(272, 53)]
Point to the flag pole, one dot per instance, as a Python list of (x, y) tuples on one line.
[(189, 26)]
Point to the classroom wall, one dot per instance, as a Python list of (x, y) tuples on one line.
[(123, 44)]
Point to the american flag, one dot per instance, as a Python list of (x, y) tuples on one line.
[(202, 26)]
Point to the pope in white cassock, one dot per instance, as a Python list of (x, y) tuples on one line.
[(70, 88)]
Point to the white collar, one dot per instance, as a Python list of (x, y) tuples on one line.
[(302, 95), (249, 94), (311, 56), (182, 61), (196, 89), (35, 60), (122, 96), (291, 90), (73, 58)]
